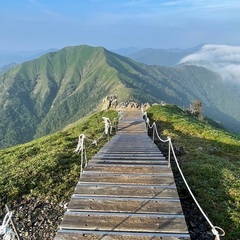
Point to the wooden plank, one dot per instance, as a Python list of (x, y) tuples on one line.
[(124, 222), (133, 179), (123, 157), (131, 154), (126, 205), (126, 190), (108, 235), (140, 169), (128, 161), (129, 151)]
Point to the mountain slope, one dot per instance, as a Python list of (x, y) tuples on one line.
[(44, 95), (181, 85), (162, 57)]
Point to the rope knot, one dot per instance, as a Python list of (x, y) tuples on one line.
[(217, 233), (5, 229), (80, 143), (6, 220)]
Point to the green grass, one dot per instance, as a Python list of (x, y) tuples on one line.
[(210, 164), (48, 167)]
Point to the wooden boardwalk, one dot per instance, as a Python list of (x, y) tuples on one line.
[(126, 192)]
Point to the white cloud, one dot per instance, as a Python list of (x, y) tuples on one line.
[(223, 59)]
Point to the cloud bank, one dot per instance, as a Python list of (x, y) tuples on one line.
[(223, 59)]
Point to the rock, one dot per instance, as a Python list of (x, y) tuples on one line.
[(214, 150), (200, 149)]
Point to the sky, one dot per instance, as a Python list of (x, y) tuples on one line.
[(28, 25)]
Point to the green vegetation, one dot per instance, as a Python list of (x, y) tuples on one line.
[(47, 167), (44, 95), (210, 164)]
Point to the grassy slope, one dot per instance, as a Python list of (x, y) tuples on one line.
[(213, 172), (44, 95), (47, 167)]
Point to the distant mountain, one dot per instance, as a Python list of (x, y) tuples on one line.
[(7, 57), (126, 51), (7, 67), (162, 57), (44, 95)]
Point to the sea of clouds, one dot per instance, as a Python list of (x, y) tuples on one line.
[(223, 59)]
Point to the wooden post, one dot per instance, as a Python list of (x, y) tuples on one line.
[(169, 152)]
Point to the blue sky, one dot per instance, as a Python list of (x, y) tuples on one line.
[(45, 24)]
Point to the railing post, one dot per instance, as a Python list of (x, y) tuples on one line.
[(81, 159), (153, 135), (169, 151)]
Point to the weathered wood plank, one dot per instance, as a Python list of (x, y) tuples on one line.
[(128, 158), (126, 190), (140, 169), (124, 222), (108, 235), (128, 161), (131, 154), (126, 205), (135, 179)]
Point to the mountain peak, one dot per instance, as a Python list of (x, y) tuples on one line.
[(44, 95)]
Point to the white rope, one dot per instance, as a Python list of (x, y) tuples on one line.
[(214, 228), (80, 143), (81, 148), (9, 235), (6, 220), (108, 125), (5, 230)]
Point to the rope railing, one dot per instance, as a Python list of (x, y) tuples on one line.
[(8, 233), (81, 146), (217, 231)]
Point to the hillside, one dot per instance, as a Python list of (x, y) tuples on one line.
[(46, 94), (209, 159), (38, 178)]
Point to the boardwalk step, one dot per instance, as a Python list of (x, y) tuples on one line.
[(128, 161), (139, 169), (116, 235), (128, 156), (133, 179), (132, 154), (125, 205), (124, 222), (115, 190)]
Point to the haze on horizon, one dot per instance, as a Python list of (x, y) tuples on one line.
[(43, 24)]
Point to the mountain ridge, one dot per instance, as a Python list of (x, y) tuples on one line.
[(44, 95), (163, 57)]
